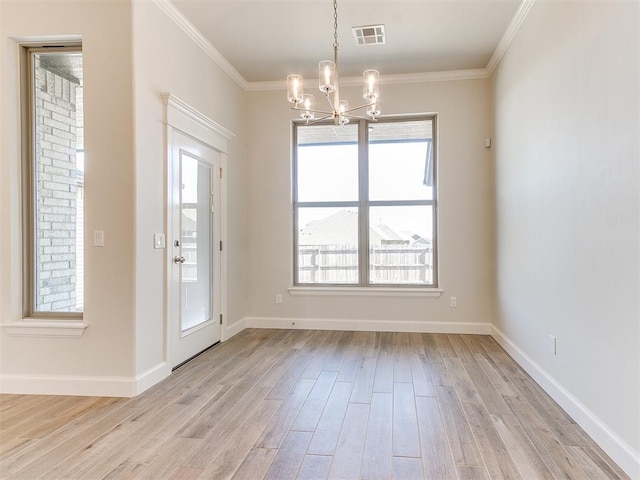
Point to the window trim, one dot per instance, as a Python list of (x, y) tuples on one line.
[(28, 172), (31, 327), (324, 290), (363, 287)]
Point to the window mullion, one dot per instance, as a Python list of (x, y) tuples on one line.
[(363, 169), (400, 203)]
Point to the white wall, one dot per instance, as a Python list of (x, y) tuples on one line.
[(167, 61), (567, 136), (465, 226), (106, 349)]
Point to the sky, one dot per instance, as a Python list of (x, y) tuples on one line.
[(396, 172)]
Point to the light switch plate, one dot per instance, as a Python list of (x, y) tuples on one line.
[(159, 240), (98, 238)]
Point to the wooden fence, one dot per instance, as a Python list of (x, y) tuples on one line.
[(390, 264)]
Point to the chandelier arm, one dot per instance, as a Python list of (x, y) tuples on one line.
[(359, 107), (300, 109), (360, 117), (328, 97), (320, 119)]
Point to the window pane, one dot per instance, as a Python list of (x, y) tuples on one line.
[(196, 242), (327, 163), (328, 245), (58, 181), (401, 161), (401, 245)]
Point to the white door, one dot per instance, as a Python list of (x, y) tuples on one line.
[(194, 248)]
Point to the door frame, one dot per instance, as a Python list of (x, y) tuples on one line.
[(181, 117)]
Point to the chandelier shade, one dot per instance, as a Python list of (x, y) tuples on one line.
[(371, 89), (295, 88), (327, 76)]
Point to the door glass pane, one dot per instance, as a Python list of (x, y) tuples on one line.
[(327, 166), (196, 272), (401, 245), (58, 182), (328, 245), (401, 161)]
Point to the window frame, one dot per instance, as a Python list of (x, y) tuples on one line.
[(29, 172), (363, 203)]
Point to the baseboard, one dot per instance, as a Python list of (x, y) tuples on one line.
[(83, 386), (233, 329), (68, 385), (152, 376), (368, 325), (619, 451)]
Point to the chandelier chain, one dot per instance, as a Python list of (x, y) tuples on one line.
[(335, 23)]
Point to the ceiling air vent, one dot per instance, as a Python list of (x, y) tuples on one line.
[(369, 35)]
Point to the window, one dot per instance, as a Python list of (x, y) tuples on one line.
[(364, 203), (54, 181)]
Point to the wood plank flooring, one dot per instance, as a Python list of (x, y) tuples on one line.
[(295, 404)]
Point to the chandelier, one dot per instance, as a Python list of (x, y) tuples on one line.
[(339, 111)]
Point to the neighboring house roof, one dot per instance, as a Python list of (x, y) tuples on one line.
[(341, 228), (415, 238), (383, 232)]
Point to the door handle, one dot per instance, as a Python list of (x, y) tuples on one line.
[(178, 259)]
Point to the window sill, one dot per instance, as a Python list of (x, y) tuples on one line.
[(46, 328), (365, 291)]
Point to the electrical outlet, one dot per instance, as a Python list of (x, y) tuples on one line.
[(278, 298), (553, 344), (453, 302)]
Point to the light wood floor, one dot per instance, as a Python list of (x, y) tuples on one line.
[(280, 405)]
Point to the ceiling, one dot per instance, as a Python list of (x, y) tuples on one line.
[(265, 40)]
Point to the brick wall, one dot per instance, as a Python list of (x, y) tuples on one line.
[(58, 181)]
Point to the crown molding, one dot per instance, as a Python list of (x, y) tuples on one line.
[(509, 34), (392, 79), (192, 32), (446, 76)]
